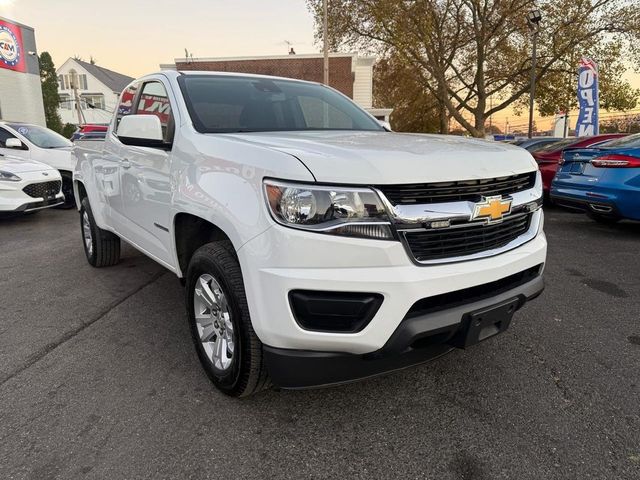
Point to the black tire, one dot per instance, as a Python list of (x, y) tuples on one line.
[(603, 219), (247, 372), (67, 190), (105, 246)]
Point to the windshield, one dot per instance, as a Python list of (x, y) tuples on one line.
[(41, 137), (632, 141), (224, 104)]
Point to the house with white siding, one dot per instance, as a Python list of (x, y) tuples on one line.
[(97, 89)]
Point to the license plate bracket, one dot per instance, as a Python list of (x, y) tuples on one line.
[(485, 323)]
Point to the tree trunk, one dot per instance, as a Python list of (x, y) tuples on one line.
[(443, 118)]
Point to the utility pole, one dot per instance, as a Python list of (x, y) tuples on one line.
[(325, 34), (533, 18), (74, 85)]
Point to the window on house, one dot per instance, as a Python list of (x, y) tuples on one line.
[(81, 80), (61, 82), (92, 101), (65, 102)]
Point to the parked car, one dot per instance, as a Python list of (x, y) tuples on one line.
[(316, 247), (33, 142), (548, 157), (536, 143), (84, 130), (604, 181), (27, 186), (90, 136)]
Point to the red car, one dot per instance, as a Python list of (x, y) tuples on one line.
[(549, 157), (88, 128)]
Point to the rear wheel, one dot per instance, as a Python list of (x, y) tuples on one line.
[(228, 348), (101, 247), (604, 219)]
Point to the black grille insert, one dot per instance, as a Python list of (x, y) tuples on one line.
[(43, 189), (474, 238), (465, 296), (466, 190)]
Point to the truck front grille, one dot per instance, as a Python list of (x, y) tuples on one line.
[(43, 189), (465, 240), (466, 190)]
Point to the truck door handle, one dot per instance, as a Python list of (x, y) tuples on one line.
[(125, 163)]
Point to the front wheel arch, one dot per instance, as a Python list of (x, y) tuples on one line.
[(191, 232)]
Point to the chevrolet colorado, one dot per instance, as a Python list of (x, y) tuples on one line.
[(316, 246)]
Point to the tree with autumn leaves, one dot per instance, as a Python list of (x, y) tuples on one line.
[(469, 59)]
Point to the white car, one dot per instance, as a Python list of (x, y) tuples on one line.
[(27, 186), (33, 142), (316, 246)]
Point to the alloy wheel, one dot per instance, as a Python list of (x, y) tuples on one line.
[(213, 320)]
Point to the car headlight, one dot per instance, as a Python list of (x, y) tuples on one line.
[(337, 210), (9, 177)]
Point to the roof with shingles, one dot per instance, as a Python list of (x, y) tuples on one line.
[(113, 80)]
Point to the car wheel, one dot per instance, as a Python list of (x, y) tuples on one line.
[(227, 346), (604, 219), (101, 247), (67, 190)]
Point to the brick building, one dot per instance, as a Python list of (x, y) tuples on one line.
[(348, 72)]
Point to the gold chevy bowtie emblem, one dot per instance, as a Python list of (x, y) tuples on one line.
[(492, 208)]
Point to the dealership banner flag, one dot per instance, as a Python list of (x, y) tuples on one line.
[(11, 51), (587, 98)]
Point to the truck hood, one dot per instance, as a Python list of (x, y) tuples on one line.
[(18, 165), (391, 158)]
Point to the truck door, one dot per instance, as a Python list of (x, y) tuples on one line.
[(107, 167), (145, 178)]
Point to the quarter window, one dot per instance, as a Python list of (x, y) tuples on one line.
[(155, 101), (125, 105)]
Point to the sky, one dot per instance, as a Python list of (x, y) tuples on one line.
[(134, 37)]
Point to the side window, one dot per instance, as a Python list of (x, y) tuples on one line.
[(155, 101), (125, 105), (4, 135)]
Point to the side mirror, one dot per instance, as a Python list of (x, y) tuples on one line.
[(13, 143), (141, 131), (385, 125)]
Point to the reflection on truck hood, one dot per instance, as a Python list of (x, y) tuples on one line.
[(388, 157)]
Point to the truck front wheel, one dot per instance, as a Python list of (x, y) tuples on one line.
[(227, 346)]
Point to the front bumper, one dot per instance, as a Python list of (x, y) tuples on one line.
[(14, 200), (414, 341), (281, 260)]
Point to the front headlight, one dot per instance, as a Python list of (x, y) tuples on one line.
[(354, 212), (9, 177)]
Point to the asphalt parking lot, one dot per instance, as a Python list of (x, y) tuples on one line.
[(98, 379)]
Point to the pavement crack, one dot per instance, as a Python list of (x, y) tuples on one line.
[(555, 375), (50, 347)]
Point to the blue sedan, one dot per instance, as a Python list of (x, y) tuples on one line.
[(604, 181)]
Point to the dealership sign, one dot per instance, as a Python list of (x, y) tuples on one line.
[(11, 51), (587, 98)]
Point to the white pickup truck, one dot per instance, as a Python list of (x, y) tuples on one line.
[(316, 246)]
